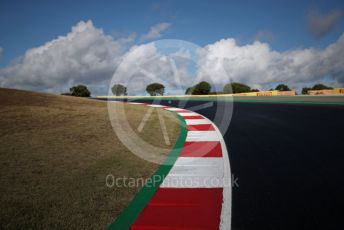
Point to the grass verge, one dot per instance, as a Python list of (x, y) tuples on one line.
[(55, 153)]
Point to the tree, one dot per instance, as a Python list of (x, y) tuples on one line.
[(202, 88), (320, 87), (236, 87), (254, 90), (315, 87), (155, 89), (189, 90), (118, 90), (79, 91), (282, 87), (305, 90)]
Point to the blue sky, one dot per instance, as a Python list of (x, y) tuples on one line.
[(284, 26), (27, 24)]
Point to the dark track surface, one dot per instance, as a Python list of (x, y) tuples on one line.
[(289, 159)]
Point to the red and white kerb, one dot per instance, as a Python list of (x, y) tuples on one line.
[(196, 193)]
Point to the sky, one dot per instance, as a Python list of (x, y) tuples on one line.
[(51, 45)]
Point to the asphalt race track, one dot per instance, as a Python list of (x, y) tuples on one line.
[(289, 161)]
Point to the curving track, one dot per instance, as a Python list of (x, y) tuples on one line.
[(288, 159)]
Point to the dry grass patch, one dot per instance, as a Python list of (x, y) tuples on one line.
[(55, 153)]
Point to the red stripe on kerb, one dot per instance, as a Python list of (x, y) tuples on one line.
[(201, 127), (201, 149), (192, 117), (182, 208)]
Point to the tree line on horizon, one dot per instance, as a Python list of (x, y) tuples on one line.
[(202, 88), (315, 87)]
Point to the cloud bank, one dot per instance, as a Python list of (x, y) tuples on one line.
[(85, 55), (145, 64), (88, 56), (258, 65)]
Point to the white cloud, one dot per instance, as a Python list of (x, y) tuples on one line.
[(144, 64), (85, 55), (155, 31), (258, 65), (319, 24)]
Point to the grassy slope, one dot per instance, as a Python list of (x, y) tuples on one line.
[(55, 153)]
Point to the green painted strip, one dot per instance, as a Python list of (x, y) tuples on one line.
[(233, 99), (316, 100), (132, 212)]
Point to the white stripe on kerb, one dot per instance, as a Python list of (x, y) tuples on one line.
[(196, 172), (173, 109), (187, 114), (202, 136), (196, 121), (199, 161), (156, 105)]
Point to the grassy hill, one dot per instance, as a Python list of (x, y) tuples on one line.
[(55, 153)]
